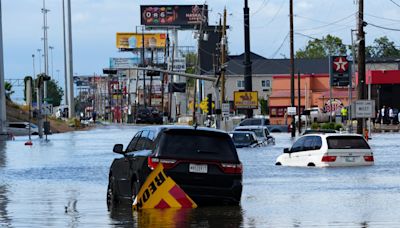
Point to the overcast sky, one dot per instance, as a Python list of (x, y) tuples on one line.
[(95, 22)]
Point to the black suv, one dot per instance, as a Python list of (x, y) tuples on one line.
[(202, 161), (148, 115)]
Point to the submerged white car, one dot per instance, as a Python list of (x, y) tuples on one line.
[(328, 150)]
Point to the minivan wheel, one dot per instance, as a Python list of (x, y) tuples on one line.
[(111, 198), (278, 163), (311, 164)]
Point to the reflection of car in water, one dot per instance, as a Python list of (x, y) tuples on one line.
[(262, 133), (202, 161), (21, 128), (149, 115), (244, 139)]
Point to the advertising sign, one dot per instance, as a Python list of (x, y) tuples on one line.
[(118, 63), (339, 71), (129, 40), (336, 105), (184, 16), (179, 64), (291, 111), (246, 100)]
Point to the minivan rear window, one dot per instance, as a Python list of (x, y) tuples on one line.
[(347, 142), (197, 144)]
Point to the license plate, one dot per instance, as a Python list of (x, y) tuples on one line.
[(350, 159), (196, 168)]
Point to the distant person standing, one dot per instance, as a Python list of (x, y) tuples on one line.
[(391, 115), (343, 112), (383, 114)]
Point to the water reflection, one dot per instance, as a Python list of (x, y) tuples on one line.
[(225, 216), (5, 220), (2, 154)]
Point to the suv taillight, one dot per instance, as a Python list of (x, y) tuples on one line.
[(232, 168), (167, 163), (369, 158), (327, 158)]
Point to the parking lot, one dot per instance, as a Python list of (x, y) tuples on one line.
[(63, 182)]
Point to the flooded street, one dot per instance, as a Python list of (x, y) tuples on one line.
[(63, 183)]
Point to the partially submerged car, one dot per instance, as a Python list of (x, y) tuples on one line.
[(328, 150), (262, 133), (245, 139), (202, 161), (21, 128)]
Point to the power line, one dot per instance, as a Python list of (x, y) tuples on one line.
[(382, 27), (383, 18), (395, 3), (328, 24)]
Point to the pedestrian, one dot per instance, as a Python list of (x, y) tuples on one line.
[(343, 112), (391, 115), (383, 114), (398, 117), (94, 115)]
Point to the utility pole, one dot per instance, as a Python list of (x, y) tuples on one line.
[(223, 51), (71, 107), (292, 68), (361, 62), (65, 57), (247, 62), (2, 87)]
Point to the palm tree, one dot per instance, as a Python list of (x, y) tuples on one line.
[(9, 91)]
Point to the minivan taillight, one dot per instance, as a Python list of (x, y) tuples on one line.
[(232, 168), (327, 158), (369, 158), (167, 163)]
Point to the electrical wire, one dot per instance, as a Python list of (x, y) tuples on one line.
[(382, 27), (327, 25), (395, 3)]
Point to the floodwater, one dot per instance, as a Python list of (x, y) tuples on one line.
[(63, 182)]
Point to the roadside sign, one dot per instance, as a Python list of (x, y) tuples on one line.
[(363, 109), (246, 100), (47, 109), (291, 111), (160, 191), (225, 109)]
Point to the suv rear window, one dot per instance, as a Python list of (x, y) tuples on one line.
[(197, 144), (347, 142)]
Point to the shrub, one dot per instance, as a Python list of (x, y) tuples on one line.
[(338, 126), (315, 126), (328, 126)]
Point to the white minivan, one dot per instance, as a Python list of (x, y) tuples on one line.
[(326, 150)]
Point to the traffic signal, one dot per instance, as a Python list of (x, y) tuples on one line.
[(209, 103)]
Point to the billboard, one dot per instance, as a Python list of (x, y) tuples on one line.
[(118, 63), (246, 100), (130, 40), (184, 16)]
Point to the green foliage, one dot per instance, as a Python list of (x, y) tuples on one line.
[(330, 125), (191, 59), (338, 126), (315, 126), (321, 48), (264, 106), (8, 89), (382, 47), (54, 91)]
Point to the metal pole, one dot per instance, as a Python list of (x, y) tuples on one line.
[(45, 48), (71, 107), (293, 133), (299, 101), (223, 50), (248, 87), (40, 60), (330, 90), (361, 61), (353, 69), (2, 84), (51, 61), (65, 57)]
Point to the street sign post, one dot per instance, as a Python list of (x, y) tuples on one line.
[(225, 109), (47, 109), (291, 111), (363, 109)]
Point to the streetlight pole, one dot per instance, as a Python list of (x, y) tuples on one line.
[(45, 47), (2, 89), (293, 133), (51, 60), (247, 62), (40, 60)]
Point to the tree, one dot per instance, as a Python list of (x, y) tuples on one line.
[(321, 48), (54, 92), (381, 48), (8, 89)]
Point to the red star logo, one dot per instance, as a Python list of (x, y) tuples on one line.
[(340, 64)]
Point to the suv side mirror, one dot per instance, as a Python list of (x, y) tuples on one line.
[(118, 148), (286, 150)]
